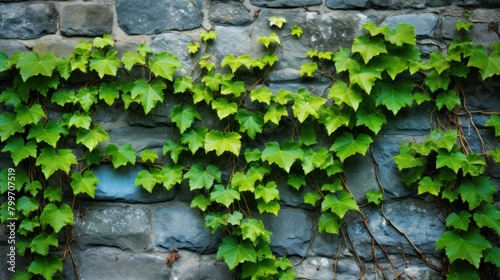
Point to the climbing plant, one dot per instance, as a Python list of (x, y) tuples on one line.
[(48, 130)]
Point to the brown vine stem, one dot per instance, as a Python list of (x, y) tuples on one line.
[(422, 255), (358, 259), (335, 263)]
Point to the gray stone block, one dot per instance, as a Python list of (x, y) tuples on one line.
[(9, 47), (291, 230), (181, 227), (343, 4), (127, 227), (229, 13), (156, 16), (118, 185), (27, 21), (194, 266), (285, 3), (89, 19), (140, 138), (425, 24)]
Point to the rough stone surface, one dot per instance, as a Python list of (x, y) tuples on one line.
[(285, 3), (111, 226), (118, 185), (9, 47), (27, 21), (180, 227), (194, 266), (156, 16), (425, 24), (229, 13), (86, 20)]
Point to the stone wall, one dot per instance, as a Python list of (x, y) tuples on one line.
[(127, 233)]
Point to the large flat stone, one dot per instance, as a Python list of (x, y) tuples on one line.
[(27, 21), (118, 185), (285, 3), (128, 228), (157, 16), (177, 226), (89, 19), (425, 24)]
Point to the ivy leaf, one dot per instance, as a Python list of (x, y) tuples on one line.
[(183, 84), (208, 35), (200, 177), (49, 134), (224, 195), (488, 217), (262, 94), (121, 155), (19, 150), (493, 256), (346, 145), (235, 63), (342, 93), (104, 63), (449, 99), (475, 164), (404, 34), (52, 194), (283, 96), (494, 121), (335, 117), (274, 114), (277, 21), (272, 38), (201, 202), (174, 148), (31, 64), (364, 77), (109, 93), (438, 62), (28, 226), (495, 154), (104, 41), (373, 119), (306, 105), (320, 159), (436, 81), (395, 95), (86, 183), (148, 179), (272, 206), (329, 223), (368, 47), (148, 155), (4, 62), (224, 108), (172, 175), (212, 80), (56, 217), (268, 192), (459, 221), (47, 266), (252, 229), (233, 87), (11, 97), (78, 119), (235, 252), (148, 94), (194, 138), (31, 115), (221, 142), (374, 196), (296, 31), (427, 184), (9, 125), (283, 156), (184, 116), (251, 123), (488, 65), (252, 155), (193, 47), (26, 205), (164, 65), (453, 160), (308, 69), (344, 61), (339, 204), (468, 246), (476, 191), (296, 181), (91, 138), (51, 160), (41, 243)]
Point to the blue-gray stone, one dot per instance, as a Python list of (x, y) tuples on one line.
[(140, 138), (157, 16), (291, 230), (343, 4), (126, 227), (27, 21), (118, 185), (178, 226), (86, 20), (285, 3), (192, 265), (425, 24), (229, 13), (9, 47)]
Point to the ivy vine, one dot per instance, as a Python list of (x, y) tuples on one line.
[(229, 167)]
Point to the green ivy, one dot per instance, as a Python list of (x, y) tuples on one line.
[(371, 82)]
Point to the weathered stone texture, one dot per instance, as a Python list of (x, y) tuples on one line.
[(285, 3), (27, 21), (86, 20), (156, 16)]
